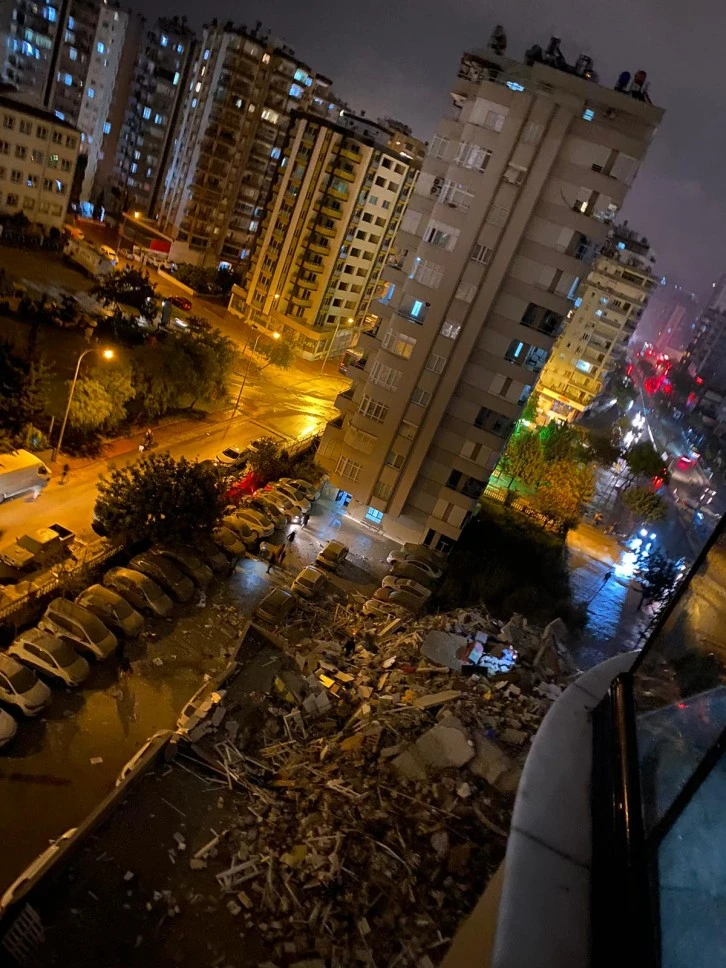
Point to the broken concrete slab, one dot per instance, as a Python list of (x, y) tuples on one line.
[(445, 649), (492, 764), (409, 765), (443, 747)]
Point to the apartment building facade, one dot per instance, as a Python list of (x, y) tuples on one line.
[(340, 192), (707, 351), (38, 154), (66, 57), (608, 306), (153, 107), (242, 90), (519, 187)]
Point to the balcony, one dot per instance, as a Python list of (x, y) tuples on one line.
[(319, 248), (331, 212), (350, 154), (301, 301), (348, 176), (311, 266), (344, 401), (304, 283), (327, 230), (336, 193)]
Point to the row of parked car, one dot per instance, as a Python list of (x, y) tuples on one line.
[(415, 569), (308, 583), (257, 516), (72, 632)]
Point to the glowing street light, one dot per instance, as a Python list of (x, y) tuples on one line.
[(106, 354)]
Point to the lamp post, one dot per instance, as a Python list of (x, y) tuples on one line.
[(330, 346), (107, 355), (274, 335)]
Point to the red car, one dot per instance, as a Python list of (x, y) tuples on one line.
[(181, 302)]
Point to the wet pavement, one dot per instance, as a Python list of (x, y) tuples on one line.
[(47, 780)]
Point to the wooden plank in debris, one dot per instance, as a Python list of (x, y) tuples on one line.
[(436, 698)]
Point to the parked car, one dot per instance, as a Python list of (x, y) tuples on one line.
[(181, 302), (230, 541), (424, 566), (383, 610), (296, 508), (332, 554), (213, 555), (266, 507), (275, 606), (232, 457), (416, 571), (47, 653), (165, 574), (295, 494), (247, 534), (80, 627), (186, 561), (139, 590), (399, 597), (419, 550), (112, 609), (256, 520), (407, 585), (20, 687), (284, 505), (8, 727), (309, 582), (311, 492)]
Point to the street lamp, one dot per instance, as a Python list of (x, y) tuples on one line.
[(107, 355), (124, 219), (274, 335)]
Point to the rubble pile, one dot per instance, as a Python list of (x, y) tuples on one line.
[(375, 794)]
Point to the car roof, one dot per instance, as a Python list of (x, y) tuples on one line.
[(311, 570), (8, 664), (278, 593), (42, 639), (335, 546), (131, 573)]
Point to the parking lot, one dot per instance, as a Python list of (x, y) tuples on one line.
[(59, 766)]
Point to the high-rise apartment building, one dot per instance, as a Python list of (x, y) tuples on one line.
[(707, 352), (337, 202), (519, 186), (65, 57), (242, 89), (608, 305), (38, 155), (153, 106)]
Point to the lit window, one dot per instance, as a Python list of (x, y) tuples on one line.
[(418, 305), (206, 54), (275, 153), (180, 48), (450, 330), (51, 14), (73, 53), (197, 87), (158, 119), (588, 114), (90, 92), (373, 515), (583, 365), (101, 47), (65, 79), (164, 40), (300, 75), (71, 23), (147, 113), (269, 115), (107, 127), (194, 102), (621, 245), (295, 90), (265, 58), (176, 78)]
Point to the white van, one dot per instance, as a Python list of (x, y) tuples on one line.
[(20, 472)]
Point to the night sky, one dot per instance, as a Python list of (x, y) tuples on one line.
[(398, 58)]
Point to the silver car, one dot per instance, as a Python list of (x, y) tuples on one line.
[(47, 653), (165, 573), (84, 630), (20, 687), (112, 609), (139, 590), (189, 563)]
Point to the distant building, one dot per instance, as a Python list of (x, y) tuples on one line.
[(608, 305), (242, 90), (519, 188), (38, 154), (153, 106), (707, 351), (340, 193), (66, 58), (669, 321)]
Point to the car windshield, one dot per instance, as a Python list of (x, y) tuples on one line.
[(151, 590), (95, 628), (231, 453), (63, 654), (22, 679), (284, 501), (277, 598)]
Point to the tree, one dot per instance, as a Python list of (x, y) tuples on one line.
[(566, 486), (623, 390), (644, 503), (643, 460), (529, 414), (659, 576), (602, 448), (280, 352), (129, 286), (266, 461), (90, 406), (211, 356), (561, 441), (160, 499), (523, 459), (24, 389)]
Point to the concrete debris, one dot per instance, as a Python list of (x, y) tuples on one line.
[(374, 795), (96, 760)]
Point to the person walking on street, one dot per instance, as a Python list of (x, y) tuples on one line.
[(274, 558), (290, 538), (64, 473), (305, 519)]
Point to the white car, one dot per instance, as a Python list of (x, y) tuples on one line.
[(398, 558), (8, 727), (296, 508), (266, 507), (406, 585), (243, 529), (284, 505), (383, 610), (49, 654), (309, 582), (257, 521), (397, 596), (311, 492), (230, 541), (81, 627), (332, 555), (232, 457), (20, 687), (295, 494)]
